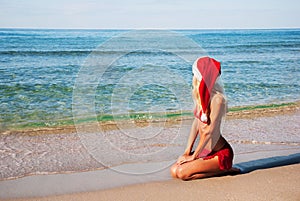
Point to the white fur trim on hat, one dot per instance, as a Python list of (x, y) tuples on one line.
[(203, 118), (196, 72)]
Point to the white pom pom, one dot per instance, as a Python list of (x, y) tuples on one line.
[(203, 117)]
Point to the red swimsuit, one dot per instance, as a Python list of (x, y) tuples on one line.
[(225, 156)]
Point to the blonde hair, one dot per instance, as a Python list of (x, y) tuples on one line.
[(195, 93)]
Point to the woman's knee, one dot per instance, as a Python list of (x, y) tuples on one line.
[(181, 173), (173, 170)]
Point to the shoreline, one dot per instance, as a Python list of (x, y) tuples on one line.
[(173, 118), (75, 171)]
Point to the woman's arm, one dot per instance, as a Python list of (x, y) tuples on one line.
[(206, 131), (192, 137), (190, 143)]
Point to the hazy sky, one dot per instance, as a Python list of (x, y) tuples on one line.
[(167, 14)]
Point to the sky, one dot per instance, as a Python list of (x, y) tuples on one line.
[(144, 14)]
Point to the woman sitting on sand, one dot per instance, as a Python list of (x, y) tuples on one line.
[(213, 155)]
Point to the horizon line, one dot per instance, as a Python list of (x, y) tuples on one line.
[(237, 28)]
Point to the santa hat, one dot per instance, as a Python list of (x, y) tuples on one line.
[(206, 70)]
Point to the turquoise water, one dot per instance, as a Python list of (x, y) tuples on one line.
[(38, 70)]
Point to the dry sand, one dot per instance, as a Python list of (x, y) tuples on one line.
[(280, 183)]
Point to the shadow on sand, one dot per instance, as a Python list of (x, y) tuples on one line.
[(276, 161)]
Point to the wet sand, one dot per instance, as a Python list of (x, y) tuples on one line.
[(36, 152), (47, 151), (250, 113)]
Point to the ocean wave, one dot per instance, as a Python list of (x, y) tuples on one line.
[(44, 53), (257, 86), (124, 51), (263, 45), (264, 142)]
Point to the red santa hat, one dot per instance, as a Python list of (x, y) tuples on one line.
[(206, 70)]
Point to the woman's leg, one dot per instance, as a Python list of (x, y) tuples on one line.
[(173, 170), (198, 169)]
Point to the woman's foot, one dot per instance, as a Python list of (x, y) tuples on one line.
[(234, 171)]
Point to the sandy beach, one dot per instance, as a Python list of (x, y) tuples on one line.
[(280, 183), (98, 100), (43, 165)]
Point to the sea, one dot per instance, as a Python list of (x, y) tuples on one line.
[(53, 77), (41, 69)]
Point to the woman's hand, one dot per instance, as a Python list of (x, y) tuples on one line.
[(184, 158), (181, 159)]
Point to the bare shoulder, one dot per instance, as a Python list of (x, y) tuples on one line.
[(218, 108), (218, 99)]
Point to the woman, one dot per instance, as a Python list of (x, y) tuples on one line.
[(213, 155)]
